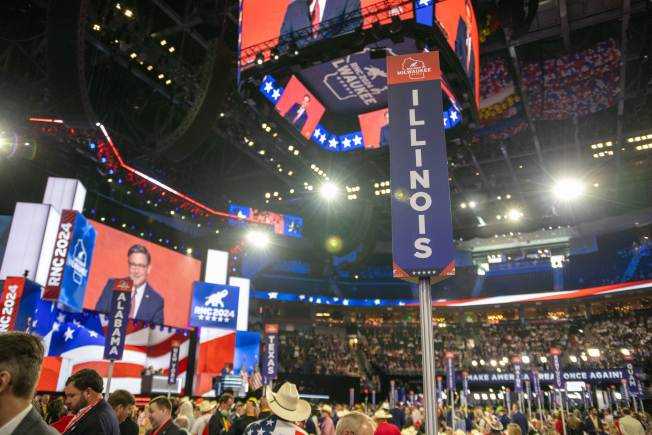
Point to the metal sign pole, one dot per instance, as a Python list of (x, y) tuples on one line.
[(540, 409), (452, 392), (428, 348), (169, 390), (108, 380), (563, 418)]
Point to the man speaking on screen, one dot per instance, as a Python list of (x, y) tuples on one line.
[(146, 304), (342, 16)]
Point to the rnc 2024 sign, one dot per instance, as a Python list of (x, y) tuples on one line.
[(214, 305)]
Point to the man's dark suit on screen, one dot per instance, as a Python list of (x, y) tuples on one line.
[(150, 309), (34, 424), (384, 135), (297, 17), (461, 52), (99, 420), (292, 113)]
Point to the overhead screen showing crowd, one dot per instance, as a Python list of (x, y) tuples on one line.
[(355, 85)]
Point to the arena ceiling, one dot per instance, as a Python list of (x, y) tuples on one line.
[(141, 106)]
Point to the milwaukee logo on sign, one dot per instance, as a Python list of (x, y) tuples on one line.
[(122, 285), (416, 67)]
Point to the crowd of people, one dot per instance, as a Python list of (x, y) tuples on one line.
[(321, 354)]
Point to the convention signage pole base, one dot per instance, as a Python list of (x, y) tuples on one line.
[(563, 418), (428, 348), (108, 380), (169, 391)]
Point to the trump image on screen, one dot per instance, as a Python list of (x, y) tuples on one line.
[(384, 132), (301, 14), (146, 303), (464, 44)]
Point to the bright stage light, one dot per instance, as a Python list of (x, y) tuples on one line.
[(573, 358), (514, 215), (525, 359), (625, 351), (544, 359), (258, 239), (260, 58), (328, 190), (568, 189), (472, 204)]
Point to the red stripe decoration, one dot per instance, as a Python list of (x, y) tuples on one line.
[(120, 369), (163, 348)]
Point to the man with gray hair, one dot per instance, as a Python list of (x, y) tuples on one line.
[(355, 423)]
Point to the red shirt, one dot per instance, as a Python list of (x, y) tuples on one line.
[(387, 429), (63, 423)]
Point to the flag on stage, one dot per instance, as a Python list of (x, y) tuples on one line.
[(243, 372), (256, 379)]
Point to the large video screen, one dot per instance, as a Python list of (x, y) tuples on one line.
[(458, 20), (300, 107), (264, 20), (163, 279), (283, 224), (375, 128)]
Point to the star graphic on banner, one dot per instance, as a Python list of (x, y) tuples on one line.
[(317, 132), (268, 87), (220, 319), (414, 273), (93, 334), (336, 299), (345, 302), (301, 297), (322, 138), (68, 334), (276, 94), (61, 318), (424, 2), (201, 317), (357, 140), (55, 326), (377, 302), (310, 299), (273, 295), (319, 300), (214, 318), (249, 432), (347, 143), (76, 322), (400, 304), (269, 422), (332, 143), (453, 115), (261, 431)]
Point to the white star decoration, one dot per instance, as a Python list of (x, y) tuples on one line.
[(268, 87), (332, 143), (55, 326), (269, 422), (249, 432), (453, 115), (93, 334), (301, 297), (424, 2), (317, 133), (260, 431), (377, 302), (357, 140), (76, 322), (276, 94), (345, 302), (322, 138), (273, 295), (201, 317), (68, 334), (61, 318), (347, 143)]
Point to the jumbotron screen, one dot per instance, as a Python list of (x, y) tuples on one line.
[(163, 278)]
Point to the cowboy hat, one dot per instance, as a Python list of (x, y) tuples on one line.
[(495, 424), (327, 408), (184, 399), (206, 406), (409, 431), (382, 414), (385, 405), (286, 403)]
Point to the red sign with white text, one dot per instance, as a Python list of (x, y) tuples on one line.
[(9, 302), (416, 67)]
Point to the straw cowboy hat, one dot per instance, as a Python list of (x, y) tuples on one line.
[(206, 406), (409, 431), (327, 408), (382, 414), (286, 403)]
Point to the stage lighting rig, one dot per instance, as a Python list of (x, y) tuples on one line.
[(396, 26), (293, 49), (259, 239), (328, 190), (260, 59), (274, 54), (568, 189)]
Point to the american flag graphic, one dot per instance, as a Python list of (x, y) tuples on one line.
[(273, 426), (76, 341), (256, 379)]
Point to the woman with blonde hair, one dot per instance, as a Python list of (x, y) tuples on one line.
[(187, 410), (514, 429)]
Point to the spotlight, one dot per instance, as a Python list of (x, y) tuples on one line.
[(568, 189), (163, 42), (274, 54), (544, 359), (128, 13), (525, 359), (375, 30), (625, 351), (463, 205), (472, 204), (514, 215), (328, 190), (595, 353), (258, 239), (293, 49), (260, 59), (573, 358)]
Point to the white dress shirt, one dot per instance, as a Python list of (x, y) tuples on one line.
[(8, 428), (322, 5), (140, 291), (298, 114)]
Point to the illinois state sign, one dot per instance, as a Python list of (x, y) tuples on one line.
[(422, 231)]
